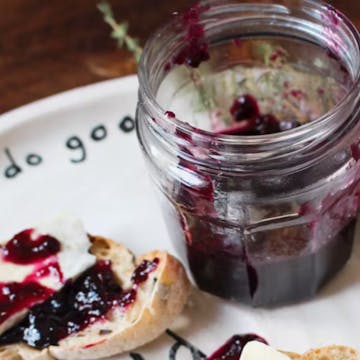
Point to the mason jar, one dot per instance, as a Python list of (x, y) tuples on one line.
[(248, 116)]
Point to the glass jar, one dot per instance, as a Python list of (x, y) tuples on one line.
[(261, 219)]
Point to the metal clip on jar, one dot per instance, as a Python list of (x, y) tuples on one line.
[(262, 217)]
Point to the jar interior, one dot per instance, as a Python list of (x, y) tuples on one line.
[(292, 80)]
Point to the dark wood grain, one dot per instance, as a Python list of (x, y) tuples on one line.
[(48, 46)]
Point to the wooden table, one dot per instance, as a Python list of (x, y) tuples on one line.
[(48, 46)]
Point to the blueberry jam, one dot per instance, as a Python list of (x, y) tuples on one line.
[(142, 272), (280, 264), (15, 297), (257, 88), (232, 349), (270, 267), (245, 107), (269, 280), (24, 249), (78, 304), (40, 252), (248, 120), (195, 50)]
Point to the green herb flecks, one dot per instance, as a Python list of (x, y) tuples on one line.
[(120, 31)]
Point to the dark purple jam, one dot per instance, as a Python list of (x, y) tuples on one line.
[(15, 297), (270, 279), (245, 107), (40, 252), (355, 152), (142, 272), (331, 16), (196, 49), (281, 264), (170, 114), (266, 124), (248, 120), (77, 305), (23, 249), (233, 348)]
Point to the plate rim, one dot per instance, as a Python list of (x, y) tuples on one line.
[(68, 98)]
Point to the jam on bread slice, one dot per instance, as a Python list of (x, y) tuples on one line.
[(116, 305), (37, 262)]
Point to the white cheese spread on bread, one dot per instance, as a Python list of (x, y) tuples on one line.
[(256, 350), (50, 272)]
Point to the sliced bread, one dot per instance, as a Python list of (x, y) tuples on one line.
[(159, 300)]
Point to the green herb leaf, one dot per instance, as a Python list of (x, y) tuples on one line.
[(120, 31)]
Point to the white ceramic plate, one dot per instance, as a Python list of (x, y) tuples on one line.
[(68, 153)]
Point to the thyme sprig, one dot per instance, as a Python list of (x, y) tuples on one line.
[(120, 31)]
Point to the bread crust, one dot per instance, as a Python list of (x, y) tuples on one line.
[(333, 352)]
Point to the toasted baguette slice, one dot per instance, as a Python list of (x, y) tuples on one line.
[(159, 300), (332, 353)]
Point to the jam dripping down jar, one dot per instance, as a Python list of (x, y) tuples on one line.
[(261, 219)]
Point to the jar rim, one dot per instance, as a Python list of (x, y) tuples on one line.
[(306, 129)]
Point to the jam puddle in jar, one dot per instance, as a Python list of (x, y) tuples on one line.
[(268, 278)]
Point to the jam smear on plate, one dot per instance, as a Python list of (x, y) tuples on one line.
[(77, 305)]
